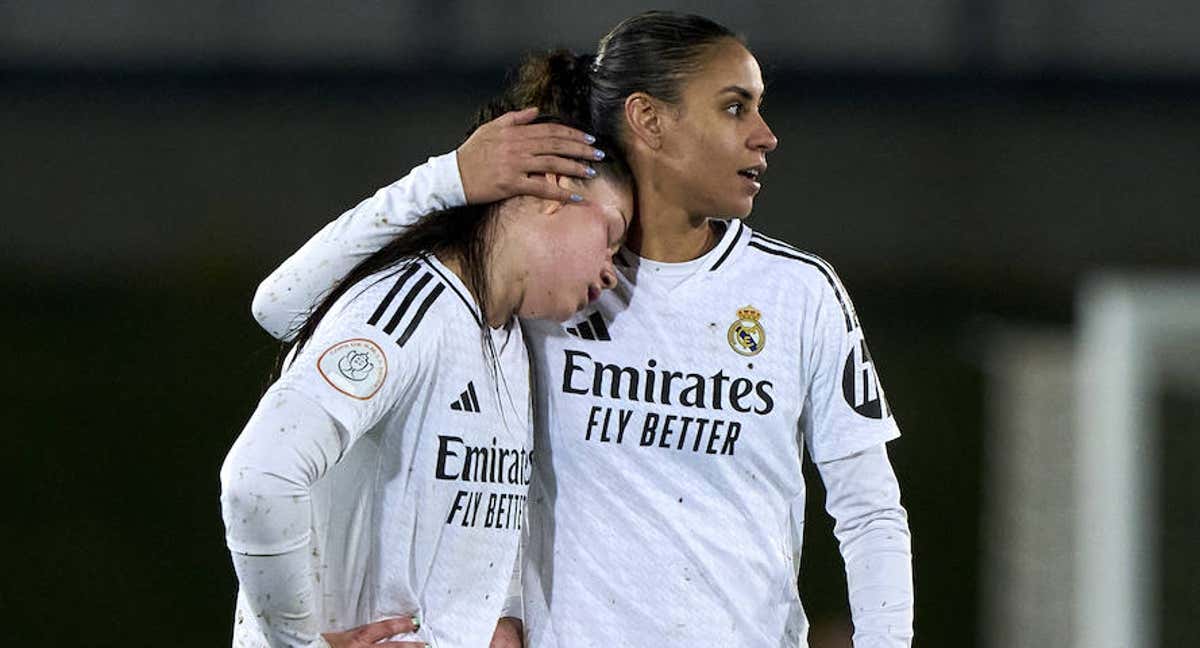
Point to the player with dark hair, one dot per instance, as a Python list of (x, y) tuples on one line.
[(383, 476), (667, 502)]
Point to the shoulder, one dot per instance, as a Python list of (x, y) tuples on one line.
[(384, 333), (789, 266), (411, 305), (781, 256)]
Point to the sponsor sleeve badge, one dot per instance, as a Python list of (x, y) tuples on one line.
[(860, 383), (356, 368)]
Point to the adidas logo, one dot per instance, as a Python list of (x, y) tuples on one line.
[(467, 401), (593, 328)]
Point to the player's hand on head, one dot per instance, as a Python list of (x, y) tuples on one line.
[(368, 635), (508, 634), (498, 158)]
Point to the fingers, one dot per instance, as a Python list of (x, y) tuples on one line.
[(523, 117), (562, 147), (373, 632), (508, 633), (516, 117), (558, 131), (559, 166), (542, 189), (496, 160)]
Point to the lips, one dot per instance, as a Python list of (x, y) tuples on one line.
[(754, 173), (593, 294)]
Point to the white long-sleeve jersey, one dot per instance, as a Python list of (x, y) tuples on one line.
[(385, 473), (667, 505)]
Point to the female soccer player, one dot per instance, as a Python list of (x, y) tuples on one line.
[(667, 500), (382, 478)]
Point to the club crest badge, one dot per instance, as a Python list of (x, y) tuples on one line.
[(746, 334), (355, 367)]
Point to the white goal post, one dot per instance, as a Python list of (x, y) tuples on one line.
[(1073, 463), (1135, 334)]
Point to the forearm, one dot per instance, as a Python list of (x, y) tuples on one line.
[(265, 500), (513, 601), (281, 592), (872, 530), (285, 298)]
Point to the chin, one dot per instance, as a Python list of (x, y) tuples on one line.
[(561, 314), (738, 210)]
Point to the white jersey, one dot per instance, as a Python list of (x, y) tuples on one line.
[(667, 507), (422, 513)]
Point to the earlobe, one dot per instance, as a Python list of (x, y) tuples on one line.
[(644, 119)]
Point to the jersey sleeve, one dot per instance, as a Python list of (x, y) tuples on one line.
[(845, 410), (863, 496), (349, 375), (355, 366), (288, 294)]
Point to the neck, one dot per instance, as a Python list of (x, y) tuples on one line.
[(665, 232), (501, 299)]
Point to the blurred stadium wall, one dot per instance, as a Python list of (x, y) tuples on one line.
[(966, 164)]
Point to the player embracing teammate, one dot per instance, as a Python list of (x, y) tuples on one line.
[(666, 499)]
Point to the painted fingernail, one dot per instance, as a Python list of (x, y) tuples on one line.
[(576, 198), (591, 173), (599, 154), (590, 139)]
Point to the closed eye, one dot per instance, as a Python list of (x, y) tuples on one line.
[(617, 232)]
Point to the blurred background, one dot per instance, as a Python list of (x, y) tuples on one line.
[(1009, 188)]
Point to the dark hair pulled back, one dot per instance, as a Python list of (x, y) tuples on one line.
[(654, 52), (558, 82)]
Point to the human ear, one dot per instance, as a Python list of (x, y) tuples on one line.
[(549, 206), (643, 115)]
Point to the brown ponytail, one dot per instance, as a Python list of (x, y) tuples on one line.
[(558, 83)]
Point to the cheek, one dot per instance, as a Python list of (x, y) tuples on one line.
[(583, 253), (569, 258), (709, 162), (584, 236)]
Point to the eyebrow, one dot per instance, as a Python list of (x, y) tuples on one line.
[(742, 92)]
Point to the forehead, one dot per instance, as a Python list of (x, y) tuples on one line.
[(608, 194), (727, 63), (603, 187)]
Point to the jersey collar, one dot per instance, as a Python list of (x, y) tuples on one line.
[(673, 275), (455, 284)]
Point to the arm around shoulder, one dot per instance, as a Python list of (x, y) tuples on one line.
[(496, 161), (285, 298)]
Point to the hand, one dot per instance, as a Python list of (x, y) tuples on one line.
[(509, 631), (496, 161), (365, 636)]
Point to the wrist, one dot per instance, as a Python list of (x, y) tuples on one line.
[(449, 170)]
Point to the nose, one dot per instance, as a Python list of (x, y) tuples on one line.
[(762, 139)]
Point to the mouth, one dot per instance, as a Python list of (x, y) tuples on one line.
[(593, 294), (754, 174)]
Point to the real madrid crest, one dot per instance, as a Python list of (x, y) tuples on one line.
[(746, 334)]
